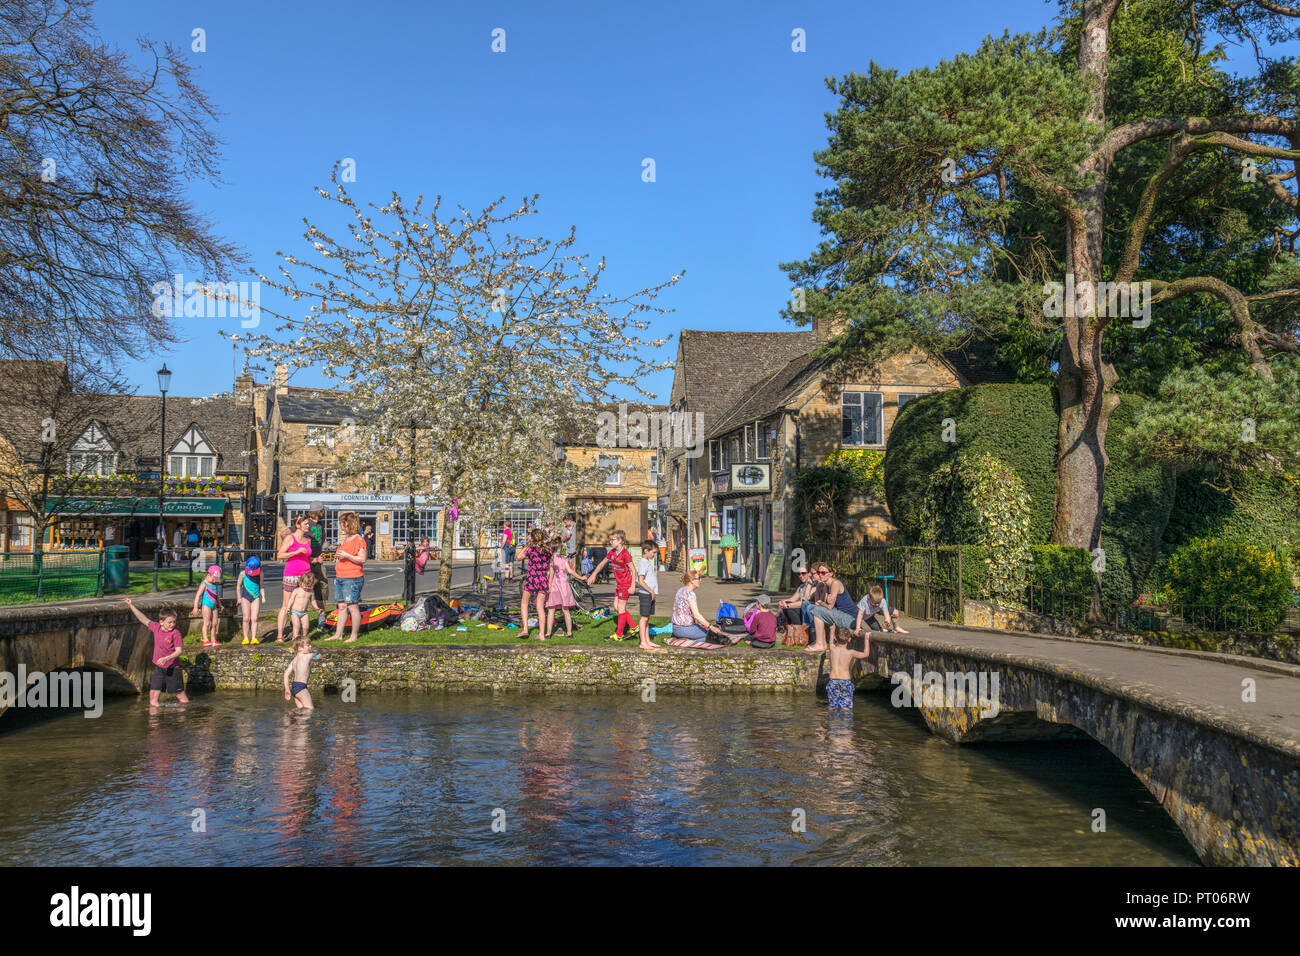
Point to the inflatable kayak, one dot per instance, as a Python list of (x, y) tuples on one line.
[(372, 615)]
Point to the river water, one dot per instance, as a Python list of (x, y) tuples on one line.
[(556, 779)]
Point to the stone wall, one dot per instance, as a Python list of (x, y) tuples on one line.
[(1278, 647), (571, 668), (94, 635)]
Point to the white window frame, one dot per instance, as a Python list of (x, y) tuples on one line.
[(654, 470), (613, 471), (192, 456), (847, 398), (320, 435)]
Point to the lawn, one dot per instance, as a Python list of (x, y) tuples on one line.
[(22, 590), (473, 633)]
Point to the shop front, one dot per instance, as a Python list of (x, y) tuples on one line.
[(134, 522), (742, 509), (387, 516)]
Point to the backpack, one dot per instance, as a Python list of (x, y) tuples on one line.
[(438, 608), (726, 610), (192, 538)]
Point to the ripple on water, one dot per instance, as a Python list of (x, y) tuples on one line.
[(575, 779)]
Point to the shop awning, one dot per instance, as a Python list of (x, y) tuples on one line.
[(141, 507)]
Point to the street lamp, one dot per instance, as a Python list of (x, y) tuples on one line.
[(164, 383)]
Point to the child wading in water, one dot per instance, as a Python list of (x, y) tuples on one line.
[(167, 674), (839, 689), (300, 669), (620, 560), (300, 604), (248, 592), (207, 596), (559, 595)]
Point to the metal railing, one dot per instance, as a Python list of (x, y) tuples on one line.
[(27, 577)]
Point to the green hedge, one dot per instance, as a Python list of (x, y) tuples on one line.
[(1266, 509), (1017, 425), (1216, 574)]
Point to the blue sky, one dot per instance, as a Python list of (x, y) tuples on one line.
[(585, 90)]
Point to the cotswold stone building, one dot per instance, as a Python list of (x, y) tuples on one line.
[(772, 406), (104, 458)]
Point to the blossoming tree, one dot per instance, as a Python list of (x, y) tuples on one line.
[(463, 346)]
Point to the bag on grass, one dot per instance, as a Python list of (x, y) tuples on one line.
[(725, 610), (796, 635), (417, 612)]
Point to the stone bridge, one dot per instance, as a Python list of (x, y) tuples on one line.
[(100, 635), (1216, 739)]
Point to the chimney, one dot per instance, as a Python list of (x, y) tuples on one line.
[(244, 389), (826, 327), (282, 380)]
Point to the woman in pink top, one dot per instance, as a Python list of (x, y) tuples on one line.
[(295, 552)]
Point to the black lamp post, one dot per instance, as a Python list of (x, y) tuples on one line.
[(164, 383)]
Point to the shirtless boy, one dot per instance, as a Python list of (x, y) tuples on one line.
[(839, 689), (300, 669)]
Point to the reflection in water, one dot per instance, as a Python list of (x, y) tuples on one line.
[(581, 779)]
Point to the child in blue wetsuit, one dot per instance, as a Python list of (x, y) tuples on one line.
[(211, 601), (840, 687), (248, 593)]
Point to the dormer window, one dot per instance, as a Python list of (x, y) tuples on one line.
[(192, 456), (92, 454)]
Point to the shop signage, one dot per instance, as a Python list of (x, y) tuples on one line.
[(697, 559), (746, 478), (197, 507)]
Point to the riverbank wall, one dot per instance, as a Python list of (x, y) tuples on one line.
[(568, 668)]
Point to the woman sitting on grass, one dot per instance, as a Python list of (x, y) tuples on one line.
[(688, 622)]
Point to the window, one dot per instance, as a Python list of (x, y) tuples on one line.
[(731, 452), (426, 525), (192, 456), (382, 483), (331, 522), (612, 465), (520, 520), (317, 480), (860, 418), (320, 435), (904, 399), (20, 530), (760, 442), (92, 454), (715, 456), (92, 463), (654, 470), (772, 432), (677, 470)]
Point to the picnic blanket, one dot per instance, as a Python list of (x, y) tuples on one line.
[(695, 645)]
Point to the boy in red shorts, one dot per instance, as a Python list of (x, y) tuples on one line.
[(620, 561)]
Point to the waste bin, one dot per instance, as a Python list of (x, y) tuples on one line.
[(117, 568)]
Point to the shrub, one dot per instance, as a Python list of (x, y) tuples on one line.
[(1231, 575), (977, 500), (1057, 567), (823, 493)]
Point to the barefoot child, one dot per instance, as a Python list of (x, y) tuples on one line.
[(839, 689), (537, 564), (207, 596), (559, 595), (300, 604), (167, 673), (620, 560), (299, 668), (873, 603), (647, 580), (248, 593)]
